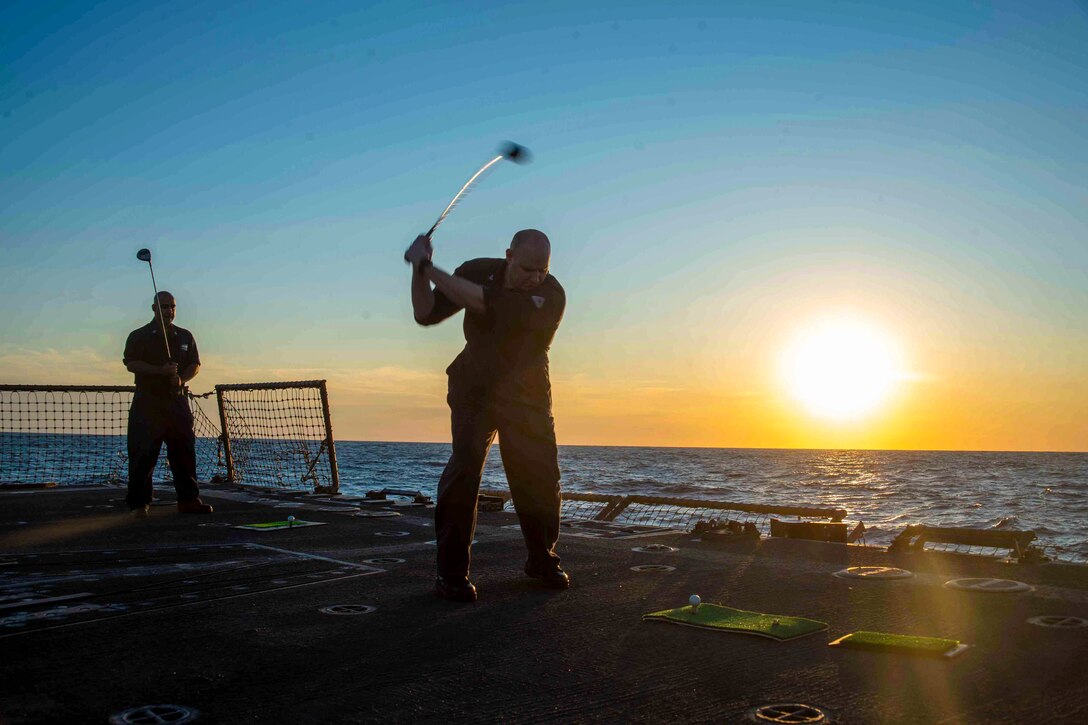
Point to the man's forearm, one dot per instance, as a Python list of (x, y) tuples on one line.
[(422, 296), (189, 373), (461, 291)]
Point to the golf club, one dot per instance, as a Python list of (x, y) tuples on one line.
[(144, 255), (509, 151)]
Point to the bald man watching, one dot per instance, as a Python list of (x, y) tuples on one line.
[(498, 384), (160, 410)]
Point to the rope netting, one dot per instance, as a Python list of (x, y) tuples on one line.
[(583, 510), (1036, 552), (279, 435), (680, 514), (78, 435), (685, 517), (685, 514)]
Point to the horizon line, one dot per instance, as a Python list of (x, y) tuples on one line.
[(748, 448)]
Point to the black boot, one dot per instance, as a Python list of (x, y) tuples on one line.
[(551, 576), (456, 589)]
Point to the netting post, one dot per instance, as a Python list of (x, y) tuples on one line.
[(225, 433), (335, 472)]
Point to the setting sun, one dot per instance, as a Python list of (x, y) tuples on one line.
[(841, 369)]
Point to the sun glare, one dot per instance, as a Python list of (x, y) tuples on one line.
[(841, 369)]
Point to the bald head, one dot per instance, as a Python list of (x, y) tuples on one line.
[(165, 301), (527, 259), (531, 238)]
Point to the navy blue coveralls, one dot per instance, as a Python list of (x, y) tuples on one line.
[(500, 383), (160, 413)]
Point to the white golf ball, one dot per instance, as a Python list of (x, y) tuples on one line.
[(695, 600)]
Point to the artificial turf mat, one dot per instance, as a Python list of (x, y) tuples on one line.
[(739, 621), (901, 643)]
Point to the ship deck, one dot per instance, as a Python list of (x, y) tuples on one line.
[(101, 612)]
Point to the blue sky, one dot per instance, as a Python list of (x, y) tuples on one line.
[(707, 171)]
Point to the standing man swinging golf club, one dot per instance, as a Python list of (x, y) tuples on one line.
[(498, 384), (163, 357)]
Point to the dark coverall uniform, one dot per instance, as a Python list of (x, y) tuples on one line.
[(499, 383), (160, 413)]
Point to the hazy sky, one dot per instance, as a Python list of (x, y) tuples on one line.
[(716, 178)]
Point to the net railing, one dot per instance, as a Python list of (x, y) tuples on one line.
[(679, 513), (1038, 553), (279, 435), (70, 435), (685, 514), (270, 435)]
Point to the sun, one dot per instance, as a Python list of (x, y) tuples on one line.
[(841, 368)]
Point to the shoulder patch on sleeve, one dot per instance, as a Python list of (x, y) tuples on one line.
[(538, 301)]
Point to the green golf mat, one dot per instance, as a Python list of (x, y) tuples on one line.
[(902, 643), (279, 525), (727, 619)]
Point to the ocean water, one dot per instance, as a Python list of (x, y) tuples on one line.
[(1045, 492)]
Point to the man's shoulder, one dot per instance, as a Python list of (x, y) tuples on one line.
[(479, 269), (552, 284), (182, 332), (143, 331)]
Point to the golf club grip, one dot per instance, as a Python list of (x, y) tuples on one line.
[(428, 235)]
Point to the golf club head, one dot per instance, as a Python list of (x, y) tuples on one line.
[(515, 152), (144, 255)]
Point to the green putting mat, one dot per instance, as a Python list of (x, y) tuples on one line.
[(902, 643), (279, 525), (727, 619)]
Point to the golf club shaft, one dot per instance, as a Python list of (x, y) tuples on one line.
[(464, 190), (158, 306)]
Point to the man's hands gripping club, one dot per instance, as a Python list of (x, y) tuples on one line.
[(419, 250), (167, 370), (460, 291)]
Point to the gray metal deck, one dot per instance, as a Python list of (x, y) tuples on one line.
[(100, 612)]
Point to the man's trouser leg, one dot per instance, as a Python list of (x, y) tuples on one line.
[(145, 436), (181, 448), (459, 487), (531, 459)]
